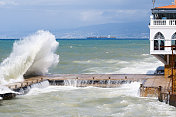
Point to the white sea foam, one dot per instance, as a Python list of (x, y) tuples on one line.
[(37, 90), (144, 66), (101, 61), (32, 55), (122, 101), (4, 89), (130, 89), (145, 54)]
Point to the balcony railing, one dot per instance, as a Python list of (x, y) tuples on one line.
[(162, 22)]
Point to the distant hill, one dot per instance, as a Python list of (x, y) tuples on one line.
[(120, 30)]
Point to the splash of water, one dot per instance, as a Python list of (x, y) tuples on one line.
[(128, 89), (101, 83), (34, 87), (4, 90), (32, 55)]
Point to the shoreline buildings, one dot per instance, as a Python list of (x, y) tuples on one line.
[(163, 43), (163, 35)]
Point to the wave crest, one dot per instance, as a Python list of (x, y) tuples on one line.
[(32, 55)]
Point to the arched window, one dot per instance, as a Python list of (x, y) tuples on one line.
[(159, 41), (174, 40)]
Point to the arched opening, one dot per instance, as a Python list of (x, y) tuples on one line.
[(159, 41), (174, 40)]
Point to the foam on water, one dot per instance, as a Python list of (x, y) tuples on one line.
[(145, 54), (123, 101), (32, 55), (146, 65), (129, 89), (4, 89), (101, 61), (37, 90)]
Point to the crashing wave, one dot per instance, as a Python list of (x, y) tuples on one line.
[(32, 55)]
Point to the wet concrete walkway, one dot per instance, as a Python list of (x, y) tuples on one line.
[(93, 77)]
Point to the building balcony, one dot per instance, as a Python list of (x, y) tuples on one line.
[(162, 22)]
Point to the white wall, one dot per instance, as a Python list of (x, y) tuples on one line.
[(167, 31)]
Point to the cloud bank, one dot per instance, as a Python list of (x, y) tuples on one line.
[(30, 15)]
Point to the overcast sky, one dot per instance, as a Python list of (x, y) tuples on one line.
[(31, 15)]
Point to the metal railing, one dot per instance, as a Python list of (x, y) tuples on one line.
[(163, 22)]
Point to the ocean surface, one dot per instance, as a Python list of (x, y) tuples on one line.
[(38, 54), (124, 56), (105, 57)]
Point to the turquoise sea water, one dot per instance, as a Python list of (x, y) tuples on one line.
[(68, 101), (98, 56), (91, 57)]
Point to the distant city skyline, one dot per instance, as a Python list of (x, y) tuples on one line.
[(20, 17)]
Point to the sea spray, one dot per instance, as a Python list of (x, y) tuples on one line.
[(4, 90), (128, 89), (32, 55), (33, 87), (88, 101), (95, 83)]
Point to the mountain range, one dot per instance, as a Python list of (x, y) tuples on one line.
[(119, 30)]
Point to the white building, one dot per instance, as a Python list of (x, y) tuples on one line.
[(163, 32)]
